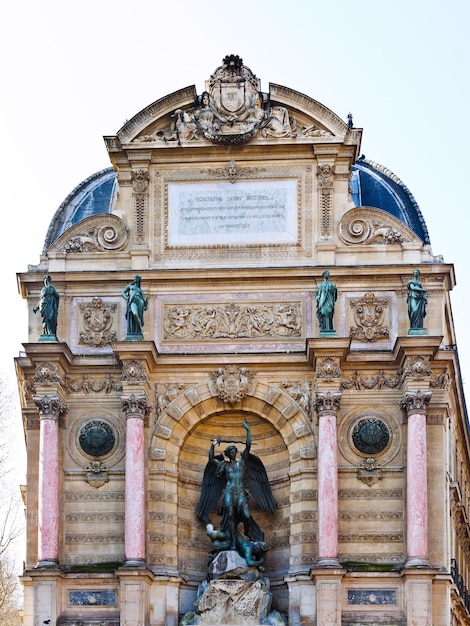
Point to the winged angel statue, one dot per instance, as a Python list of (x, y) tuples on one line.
[(235, 480)]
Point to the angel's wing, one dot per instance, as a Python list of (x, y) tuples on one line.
[(212, 487), (258, 483)]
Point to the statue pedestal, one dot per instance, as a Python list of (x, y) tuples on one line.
[(235, 595), (226, 601)]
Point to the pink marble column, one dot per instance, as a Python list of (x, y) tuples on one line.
[(326, 405), (415, 404), (136, 409), (50, 409)]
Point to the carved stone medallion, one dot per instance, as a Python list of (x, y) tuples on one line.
[(96, 438), (370, 436)]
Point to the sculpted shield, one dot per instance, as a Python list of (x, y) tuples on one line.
[(232, 96)]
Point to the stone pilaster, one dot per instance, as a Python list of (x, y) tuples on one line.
[(415, 403), (327, 404), (135, 408), (50, 409), (328, 595)]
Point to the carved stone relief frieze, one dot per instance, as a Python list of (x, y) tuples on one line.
[(97, 320), (440, 381), (233, 320), (86, 384), (375, 381)]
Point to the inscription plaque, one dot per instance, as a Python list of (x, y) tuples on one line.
[(92, 598), (372, 597), (244, 212)]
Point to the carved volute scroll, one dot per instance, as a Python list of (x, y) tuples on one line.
[(369, 226), (97, 233)]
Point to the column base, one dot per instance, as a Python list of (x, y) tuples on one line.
[(134, 564), (416, 561), (47, 564), (327, 562)]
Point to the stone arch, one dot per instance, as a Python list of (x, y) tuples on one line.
[(283, 438)]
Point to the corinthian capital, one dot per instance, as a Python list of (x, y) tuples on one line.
[(50, 406), (415, 401), (327, 402), (135, 406)]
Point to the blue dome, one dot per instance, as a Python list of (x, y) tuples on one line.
[(93, 196), (376, 186)]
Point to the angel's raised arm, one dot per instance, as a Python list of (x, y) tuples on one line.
[(247, 449)]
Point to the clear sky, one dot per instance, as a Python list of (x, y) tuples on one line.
[(73, 72)]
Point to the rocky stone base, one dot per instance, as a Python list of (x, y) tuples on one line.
[(227, 601)]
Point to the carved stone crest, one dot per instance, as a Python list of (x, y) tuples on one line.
[(97, 319), (97, 474), (369, 313), (231, 383), (140, 179), (232, 110), (369, 471)]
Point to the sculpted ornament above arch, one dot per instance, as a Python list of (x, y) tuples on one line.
[(289, 401), (232, 110)]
